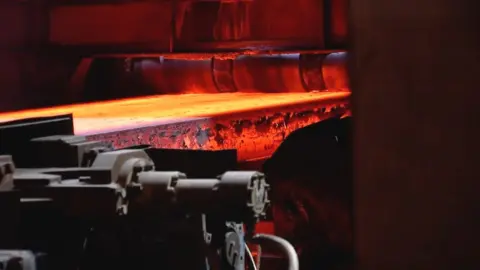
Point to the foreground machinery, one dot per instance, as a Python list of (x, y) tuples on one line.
[(78, 204), (174, 86)]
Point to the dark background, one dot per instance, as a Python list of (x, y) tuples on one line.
[(415, 83)]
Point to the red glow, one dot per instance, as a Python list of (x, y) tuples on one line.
[(253, 123)]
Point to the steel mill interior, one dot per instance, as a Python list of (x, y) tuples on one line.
[(238, 134)]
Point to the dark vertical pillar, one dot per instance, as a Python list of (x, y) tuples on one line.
[(416, 86)]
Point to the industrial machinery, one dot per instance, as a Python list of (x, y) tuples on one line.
[(61, 52), (413, 66), (177, 74), (187, 74), (78, 204), (138, 76)]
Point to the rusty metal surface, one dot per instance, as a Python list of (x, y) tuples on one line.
[(253, 136), (255, 133), (254, 124)]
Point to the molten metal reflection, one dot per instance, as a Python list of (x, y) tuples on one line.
[(253, 123), (102, 117)]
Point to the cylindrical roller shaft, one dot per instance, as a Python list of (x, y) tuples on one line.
[(334, 71), (248, 73), (275, 73), (237, 195), (197, 195), (171, 76), (157, 192)]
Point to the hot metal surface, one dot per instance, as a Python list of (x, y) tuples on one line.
[(253, 123)]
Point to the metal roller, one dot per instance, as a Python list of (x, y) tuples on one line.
[(334, 71), (175, 76), (235, 194), (271, 73), (266, 73)]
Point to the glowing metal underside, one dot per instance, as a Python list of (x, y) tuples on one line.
[(253, 123)]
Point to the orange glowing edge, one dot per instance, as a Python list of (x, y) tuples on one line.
[(253, 123)]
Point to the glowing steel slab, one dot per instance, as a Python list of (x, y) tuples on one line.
[(253, 123)]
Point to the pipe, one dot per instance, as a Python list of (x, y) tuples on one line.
[(284, 245), (251, 261)]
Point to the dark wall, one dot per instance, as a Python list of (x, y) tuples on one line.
[(415, 79), (30, 76)]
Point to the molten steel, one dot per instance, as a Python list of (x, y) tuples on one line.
[(253, 123)]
